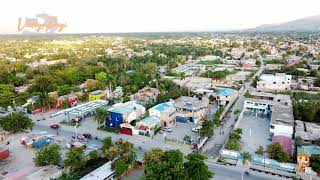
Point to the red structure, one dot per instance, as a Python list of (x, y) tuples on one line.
[(4, 153)]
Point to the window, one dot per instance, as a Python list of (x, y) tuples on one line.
[(272, 126)]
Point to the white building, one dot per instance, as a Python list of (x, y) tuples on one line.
[(279, 109), (274, 83)]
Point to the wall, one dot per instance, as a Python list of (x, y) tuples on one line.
[(282, 130)]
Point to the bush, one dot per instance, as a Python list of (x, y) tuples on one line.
[(120, 167), (49, 154)]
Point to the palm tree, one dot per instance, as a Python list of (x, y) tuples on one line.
[(246, 158), (101, 115)]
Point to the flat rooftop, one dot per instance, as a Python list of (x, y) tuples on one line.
[(186, 102), (307, 131), (282, 115)]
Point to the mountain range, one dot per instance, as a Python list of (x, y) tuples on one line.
[(311, 23)]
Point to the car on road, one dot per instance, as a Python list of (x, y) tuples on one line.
[(55, 126), (167, 129), (87, 136)]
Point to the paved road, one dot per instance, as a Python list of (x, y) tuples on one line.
[(214, 144), (232, 173)]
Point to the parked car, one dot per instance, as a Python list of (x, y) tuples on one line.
[(196, 129), (87, 136), (55, 126), (167, 129)]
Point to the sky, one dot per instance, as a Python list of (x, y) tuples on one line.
[(104, 16)]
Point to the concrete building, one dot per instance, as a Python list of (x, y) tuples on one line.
[(274, 83), (195, 83), (277, 107), (303, 157), (306, 132), (225, 95), (166, 113), (191, 109), (274, 66), (123, 114), (190, 68), (97, 95), (147, 95), (148, 125)]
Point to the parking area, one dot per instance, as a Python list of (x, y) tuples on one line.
[(180, 130), (256, 132)]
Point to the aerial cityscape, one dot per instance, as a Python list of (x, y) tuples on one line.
[(196, 102)]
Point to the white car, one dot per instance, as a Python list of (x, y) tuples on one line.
[(167, 129), (196, 129)]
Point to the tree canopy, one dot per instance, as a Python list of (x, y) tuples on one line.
[(50, 154), (16, 122)]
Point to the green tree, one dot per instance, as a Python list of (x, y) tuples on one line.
[(246, 157), (207, 129), (16, 122), (125, 99), (182, 76), (161, 165), (260, 151), (75, 160), (7, 94), (106, 144), (101, 115), (43, 84), (315, 163), (65, 104), (120, 167), (64, 89), (317, 82), (50, 154), (101, 76), (233, 144), (276, 152), (94, 155), (313, 73), (258, 63), (196, 168)]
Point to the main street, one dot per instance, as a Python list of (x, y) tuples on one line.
[(223, 172), (213, 146)]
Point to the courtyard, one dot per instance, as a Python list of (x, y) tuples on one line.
[(255, 131)]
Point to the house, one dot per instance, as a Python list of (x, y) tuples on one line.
[(97, 95), (292, 60), (166, 113), (195, 83), (225, 95), (190, 68), (123, 114), (307, 132), (147, 95), (274, 66), (303, 84), (303, 157), (118, 92), (248, 63), (277, 107), (148, 125), (191, 109), (274, 83), (238, 76)]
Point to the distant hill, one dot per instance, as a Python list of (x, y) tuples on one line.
[(305, 24)]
